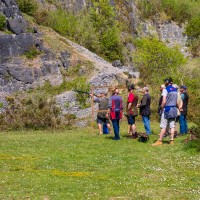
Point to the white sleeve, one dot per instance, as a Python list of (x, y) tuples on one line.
[(164, 92)]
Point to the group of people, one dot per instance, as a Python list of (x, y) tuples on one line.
[(172, 109)]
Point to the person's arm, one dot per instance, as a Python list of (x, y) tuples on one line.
[(164, 99), (109, 107), (163, 102)]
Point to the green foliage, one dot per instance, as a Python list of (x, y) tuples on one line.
[(1, 105), (193, 31), (27, 6), (31, 112), (177, 10), (96, 29), (78, 83), (2, 22), (193, 27), (154, 59), (103, 18), (33, 52)]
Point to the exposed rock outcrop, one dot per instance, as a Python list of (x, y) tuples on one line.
[(16, 74)]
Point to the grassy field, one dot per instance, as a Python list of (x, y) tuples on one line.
[(79, 164)]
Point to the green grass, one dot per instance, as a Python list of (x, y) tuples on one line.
[(79, 164)]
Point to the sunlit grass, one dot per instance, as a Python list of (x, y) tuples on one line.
[(79, 164)]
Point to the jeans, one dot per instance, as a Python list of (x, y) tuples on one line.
[(115, 123), (183, 124), (146, 122)]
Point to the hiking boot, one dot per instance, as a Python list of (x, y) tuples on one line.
[(157, 143), (134, 135), (171, 142)]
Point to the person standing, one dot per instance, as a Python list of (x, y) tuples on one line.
[(102, 100), (145, 110), (162, 87), (115, 112), (131, 110), (183, 110), (169, 114), (179, 106)]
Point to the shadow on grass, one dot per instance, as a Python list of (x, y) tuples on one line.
[(109, 137), (164, 142)]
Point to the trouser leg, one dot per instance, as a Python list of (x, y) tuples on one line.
[(115, 123)]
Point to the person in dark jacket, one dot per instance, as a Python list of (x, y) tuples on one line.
[(145, 110), (183, 110)]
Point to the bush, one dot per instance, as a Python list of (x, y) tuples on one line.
[(33, 52), (27, 6), (32, 112), (177, 10), (78, 83), (154, 60), (2, 22), (96, 29), (192, 28)]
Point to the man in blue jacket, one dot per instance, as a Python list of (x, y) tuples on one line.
[(169, 111)]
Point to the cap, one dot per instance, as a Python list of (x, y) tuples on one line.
[(183, 87), (168, 80)]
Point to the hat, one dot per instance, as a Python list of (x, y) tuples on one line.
[(168, 80), (131, 87), (183, 87)]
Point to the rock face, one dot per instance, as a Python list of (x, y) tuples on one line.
[(15, 45), (69, 105), (15, 73), (15, 21)]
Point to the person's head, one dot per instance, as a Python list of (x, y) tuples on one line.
[(145, 90), (183, 88), (162, 87), (131, 87), (116, 91), (168, 81)]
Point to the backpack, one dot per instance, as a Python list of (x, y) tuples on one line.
[(143, 137)]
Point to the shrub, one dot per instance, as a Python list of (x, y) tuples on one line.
[(103, 19), (34, 112), (33, 52), (27, 6), (192, 28), (154, 59), (195, 47), (78, 83), (2, 22), (177, 10), (97, 29)]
